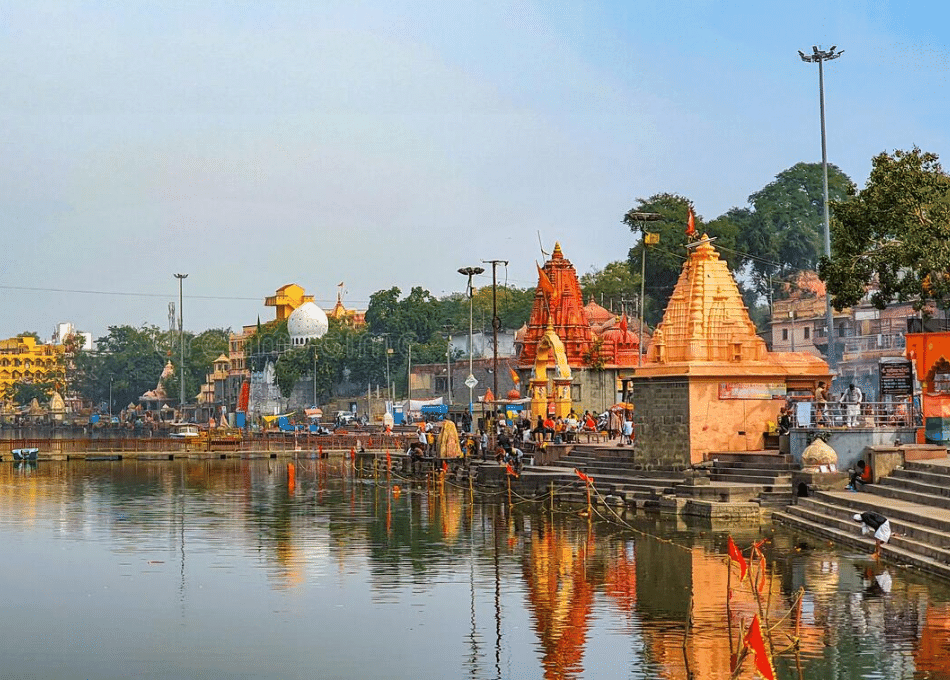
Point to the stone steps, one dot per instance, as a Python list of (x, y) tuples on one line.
[(743, 477)]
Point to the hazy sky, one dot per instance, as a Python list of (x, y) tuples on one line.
[(253, 144)]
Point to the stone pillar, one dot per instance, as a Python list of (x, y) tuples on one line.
[(562, 397), (539, 399)]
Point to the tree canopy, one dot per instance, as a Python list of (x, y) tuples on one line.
[(612, 285), (782, 230), (892, 239)]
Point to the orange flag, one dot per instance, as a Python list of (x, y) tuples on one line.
[(445, 466), (623, 323), (691, 224), (510, 470), (736, 556), (584, 478), (546, 286), (515, 378), (753, 640), (489, 396)]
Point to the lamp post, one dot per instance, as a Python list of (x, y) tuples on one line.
[(822, 56), (644, 217), (791, 315), (470, 380), (181, 343), (388, 383), (110, 398)]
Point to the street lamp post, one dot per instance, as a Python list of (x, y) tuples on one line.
[(643, 217), (181, 343), (110, 397), (389, 387), (470, 380), (822, 56)]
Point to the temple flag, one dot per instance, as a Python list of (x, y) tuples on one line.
[(546, 286), (736, 556), (584, 478), (691, 224), (515, 378), (623, 323), (753, 640), (510, 470)]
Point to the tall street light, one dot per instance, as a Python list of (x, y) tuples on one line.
[(642, 217), (470, 380), (822, 56), (181, 343)]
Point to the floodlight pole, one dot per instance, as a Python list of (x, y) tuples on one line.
[(181, 343), (469, 272), (643, 217), (822, 56)]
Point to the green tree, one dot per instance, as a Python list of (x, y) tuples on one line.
[(611, 285), (781, 233), (200, 352), (130, 359), (23, 393), (893, 237)]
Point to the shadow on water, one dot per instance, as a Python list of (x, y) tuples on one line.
[(254, 568)]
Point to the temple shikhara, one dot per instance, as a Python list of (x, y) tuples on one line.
[(572, 339), (706, 383)]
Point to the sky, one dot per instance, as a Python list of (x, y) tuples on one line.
[(379, 144)]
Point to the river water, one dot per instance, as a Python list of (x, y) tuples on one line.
[(246, 569)]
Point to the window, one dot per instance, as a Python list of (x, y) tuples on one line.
[(784, 334), (807, 332), (441, 384)]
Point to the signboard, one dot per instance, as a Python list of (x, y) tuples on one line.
[(651, 239), (740, 390), (471, 381), (896, 377)]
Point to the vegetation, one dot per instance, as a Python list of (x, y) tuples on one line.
[(893, 237)]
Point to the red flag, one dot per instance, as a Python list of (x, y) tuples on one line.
[(445, 466), (691, 224), (753, 640), (510, 470), (736, 556), (584, 478), (623, 323)]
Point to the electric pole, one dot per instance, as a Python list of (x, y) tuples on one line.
[(495, 322)]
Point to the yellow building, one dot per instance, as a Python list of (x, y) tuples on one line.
[(23, 359), (287, 299)]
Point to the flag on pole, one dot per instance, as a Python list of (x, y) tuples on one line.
[(584, 478), (736, 556), (753, 640), (510, 470), (515, 378), (623, 323), (691, 224), (546, 286)]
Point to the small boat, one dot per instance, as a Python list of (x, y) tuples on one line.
[(25, 454), (184, 431)]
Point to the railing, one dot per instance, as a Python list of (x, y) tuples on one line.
[(277, 441), (866, 415)]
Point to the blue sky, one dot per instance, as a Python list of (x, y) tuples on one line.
[(255, 144)]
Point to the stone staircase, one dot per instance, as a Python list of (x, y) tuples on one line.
[(916, 499), (615, 475), (768, 470)]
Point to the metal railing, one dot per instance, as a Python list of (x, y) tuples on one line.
[(866, 415)]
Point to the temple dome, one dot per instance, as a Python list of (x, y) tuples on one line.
[(307, 322), (620, 336)]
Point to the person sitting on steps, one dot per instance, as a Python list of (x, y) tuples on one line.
[(860, 475)]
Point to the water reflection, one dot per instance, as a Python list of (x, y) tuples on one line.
[(243, 565)]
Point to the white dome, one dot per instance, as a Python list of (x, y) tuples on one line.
[(307, 322)]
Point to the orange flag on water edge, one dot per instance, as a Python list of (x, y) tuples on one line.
[(753, 641), (736, 556), (510, 470), (691, 224), (515, 378), (584, 478)]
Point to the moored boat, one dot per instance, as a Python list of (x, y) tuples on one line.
[(25, 454)]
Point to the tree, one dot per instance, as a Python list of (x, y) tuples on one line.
[(781, 232), (893, 237), (23, 393), (130, 358), (612, 285), (200, 352)]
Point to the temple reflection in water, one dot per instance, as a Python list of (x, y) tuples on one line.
[(520, 587)]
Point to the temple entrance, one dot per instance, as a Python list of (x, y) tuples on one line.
[(544, 397)]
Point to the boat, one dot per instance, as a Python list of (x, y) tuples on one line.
[(25, 454), (184, 431)]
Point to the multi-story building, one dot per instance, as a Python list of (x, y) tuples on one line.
[(24, 359)]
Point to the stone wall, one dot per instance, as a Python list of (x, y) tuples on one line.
[(661, 423), (849, 444)]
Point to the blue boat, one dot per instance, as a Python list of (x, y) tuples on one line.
[(25, 454)]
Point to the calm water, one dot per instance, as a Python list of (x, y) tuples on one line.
[(227, 569)]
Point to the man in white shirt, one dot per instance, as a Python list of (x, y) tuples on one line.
[(852, 398)]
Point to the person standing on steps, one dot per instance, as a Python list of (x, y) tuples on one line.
[(852, 398), (821, 402), (877, 524)]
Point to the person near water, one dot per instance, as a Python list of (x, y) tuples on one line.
[(877, 524)]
